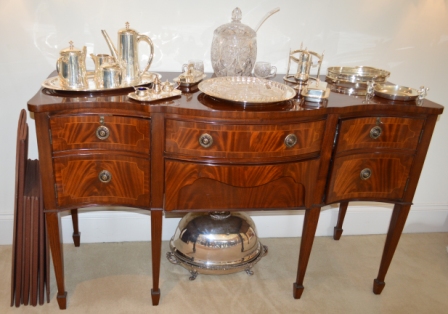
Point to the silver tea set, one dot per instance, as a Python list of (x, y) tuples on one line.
[(119, 69)]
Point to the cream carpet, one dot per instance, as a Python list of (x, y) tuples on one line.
[(116, 278)]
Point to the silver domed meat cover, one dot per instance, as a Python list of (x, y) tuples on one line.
[(216, 243)]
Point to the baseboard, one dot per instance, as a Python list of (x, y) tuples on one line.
[(120, 225)]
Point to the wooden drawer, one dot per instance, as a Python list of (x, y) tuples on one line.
[(383, 132), (243, 141), (78, 180), (190, 185), (80, 132), (388, 177)]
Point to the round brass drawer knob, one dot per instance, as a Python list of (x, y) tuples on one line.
[(365, 173), (102, 132), (375, 132), (205, 140), (290, 140), (105, 176)]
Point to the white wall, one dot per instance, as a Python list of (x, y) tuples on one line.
[(409, 38)]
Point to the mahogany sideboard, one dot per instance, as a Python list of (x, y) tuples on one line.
[(196, 153)]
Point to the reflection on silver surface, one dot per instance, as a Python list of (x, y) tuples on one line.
[(217, 243)]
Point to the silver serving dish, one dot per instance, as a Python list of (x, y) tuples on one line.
[(153, 97), (357, 74), (246, 89), (216, 243), (54, 83), (396, 92), (187, 81)]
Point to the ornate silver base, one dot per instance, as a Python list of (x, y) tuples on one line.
[(195, 270)]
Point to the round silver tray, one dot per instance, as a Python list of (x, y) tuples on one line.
[(395, 92), (247, 90), (357, 74), (54, 84)]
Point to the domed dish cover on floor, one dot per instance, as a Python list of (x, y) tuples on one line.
[(216, 243)]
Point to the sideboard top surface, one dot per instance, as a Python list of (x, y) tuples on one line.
[(197, 103)]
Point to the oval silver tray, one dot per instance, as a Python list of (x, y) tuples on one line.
[(246, 89), (154, 97), (357, 74), (54, 84), (395, 92)]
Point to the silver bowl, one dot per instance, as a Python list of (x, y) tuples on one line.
[(216, 243)]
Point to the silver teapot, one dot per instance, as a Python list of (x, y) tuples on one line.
[(71, 67), (127, 54)]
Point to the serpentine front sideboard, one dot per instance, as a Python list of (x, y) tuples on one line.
[(196, 153)]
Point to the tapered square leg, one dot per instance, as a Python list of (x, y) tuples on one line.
[(309, 230)]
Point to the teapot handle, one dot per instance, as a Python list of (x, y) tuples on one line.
[(149, 41), (62, 79)]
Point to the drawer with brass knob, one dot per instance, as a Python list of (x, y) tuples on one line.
[(369, 176), (102, 179), (100, 132), (201, 139), (379, 132)]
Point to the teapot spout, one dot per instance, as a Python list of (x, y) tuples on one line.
[(112, 48)]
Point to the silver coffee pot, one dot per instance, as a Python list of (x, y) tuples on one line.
[(71, 67), (127, 54)]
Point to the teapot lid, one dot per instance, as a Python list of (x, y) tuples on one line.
[(126, 29), (235, 28), (71, 49)]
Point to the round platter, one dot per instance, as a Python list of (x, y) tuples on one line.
[(395, 92), (54, 84), (246, 90)]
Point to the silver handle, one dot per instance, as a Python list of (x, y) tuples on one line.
[(205, 140), (105, 176), (102, 132), (290, 140), (365, 173), (375, 132)]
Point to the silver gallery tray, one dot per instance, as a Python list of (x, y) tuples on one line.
[(246, 89), (54, 84), (356, 74)]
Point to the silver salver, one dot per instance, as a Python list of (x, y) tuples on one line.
[(54, 83), (246, 89)]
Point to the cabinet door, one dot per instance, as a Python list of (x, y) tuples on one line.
[(102, 179), (369, 176), (190, 185)]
